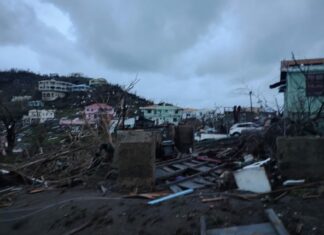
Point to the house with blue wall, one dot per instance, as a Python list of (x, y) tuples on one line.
[(162, 113), (302, 84)]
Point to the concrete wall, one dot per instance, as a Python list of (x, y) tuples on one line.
[(184, 138), (301, 157), (135, 160)]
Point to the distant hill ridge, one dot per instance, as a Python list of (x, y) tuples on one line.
[(21, 82)]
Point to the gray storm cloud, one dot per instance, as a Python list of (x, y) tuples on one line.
[(141, 35), (193, 53)]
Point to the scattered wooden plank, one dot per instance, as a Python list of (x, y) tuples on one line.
[(207, 159), (170, 162), (189, 164), (195, 175), (203, 168), (264, 229), (202, 225), (276, 222), (175, 188), (168, 169), (147, 195), (180, 166), (213, 199), (201, 180), (191, 184), (280, 196), (78, 229), (47, 159), (37, 190)]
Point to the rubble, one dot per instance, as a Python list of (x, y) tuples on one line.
[(273, 227), (241, 169), (253, 180), (301, 157)]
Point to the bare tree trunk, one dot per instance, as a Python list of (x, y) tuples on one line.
[(11, 137)]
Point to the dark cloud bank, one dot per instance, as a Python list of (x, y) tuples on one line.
[(192, 53)]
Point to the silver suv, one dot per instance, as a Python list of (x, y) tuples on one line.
[(238, 128)]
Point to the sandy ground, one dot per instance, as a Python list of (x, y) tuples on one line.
[(60, 212)]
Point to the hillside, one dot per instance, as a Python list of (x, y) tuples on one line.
[(18, 83)]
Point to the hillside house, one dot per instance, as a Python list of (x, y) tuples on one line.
[(53, 89), (302, 83), (80, 87), (162, 113), (20, 98), (95, 111), (38, 116), (70, 122), (98, 82), (35, 103)]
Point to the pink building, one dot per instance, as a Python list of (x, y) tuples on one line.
[(68, 122), (94, 111)]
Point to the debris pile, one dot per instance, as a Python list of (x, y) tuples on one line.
[(63, 168), (242, 168), (218, 163)]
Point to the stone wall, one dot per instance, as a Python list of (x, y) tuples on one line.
[(301, 157), (184, 138), (135, 160)]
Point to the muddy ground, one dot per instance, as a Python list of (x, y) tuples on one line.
[(66, 211)]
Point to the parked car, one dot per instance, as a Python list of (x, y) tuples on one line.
[(238, 128)]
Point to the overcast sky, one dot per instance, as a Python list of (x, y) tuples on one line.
[(192, 53)]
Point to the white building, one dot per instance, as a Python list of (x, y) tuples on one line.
[(52, 89), (38, 116), (162, 113), (52, 95), (53, 85), (20, 98), (198, 113), (97, 82)]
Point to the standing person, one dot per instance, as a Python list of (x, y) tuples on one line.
[(238, 113), (235, 114)]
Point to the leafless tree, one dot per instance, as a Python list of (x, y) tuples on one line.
[(10, 114), (123, 104)]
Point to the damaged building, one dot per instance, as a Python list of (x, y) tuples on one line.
[(302, 85)]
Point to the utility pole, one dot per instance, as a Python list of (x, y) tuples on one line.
[(250, 93)]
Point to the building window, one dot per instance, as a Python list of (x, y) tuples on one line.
[(315, 85)]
